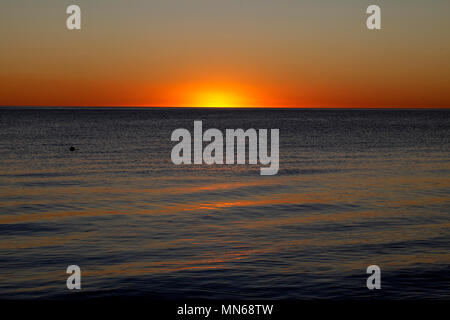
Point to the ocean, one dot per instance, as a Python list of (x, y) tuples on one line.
[(355, 188)]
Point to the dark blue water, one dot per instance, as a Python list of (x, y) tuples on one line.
[(355, 188)]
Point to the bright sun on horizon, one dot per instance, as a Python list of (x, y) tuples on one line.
[(202, 96), (217, 99)]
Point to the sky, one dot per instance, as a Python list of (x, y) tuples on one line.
[(225, 53)]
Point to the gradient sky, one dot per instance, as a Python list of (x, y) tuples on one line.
[(280, 53)]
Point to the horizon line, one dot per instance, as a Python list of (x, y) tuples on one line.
[(231, 107)]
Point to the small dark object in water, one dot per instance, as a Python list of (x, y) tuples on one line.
[(72, 149)]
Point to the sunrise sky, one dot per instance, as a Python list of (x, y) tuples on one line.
[(225, 53)]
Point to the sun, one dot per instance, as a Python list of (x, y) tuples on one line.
[(215, 95), (217, 99)]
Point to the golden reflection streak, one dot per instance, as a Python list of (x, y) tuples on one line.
[(42, 241), (143, 268), (340, 182), (300, 199), (217, 260)]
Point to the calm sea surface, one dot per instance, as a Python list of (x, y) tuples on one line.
[(355, 188)]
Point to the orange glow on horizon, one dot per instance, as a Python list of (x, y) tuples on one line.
[(217, 96), (216, 99)]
